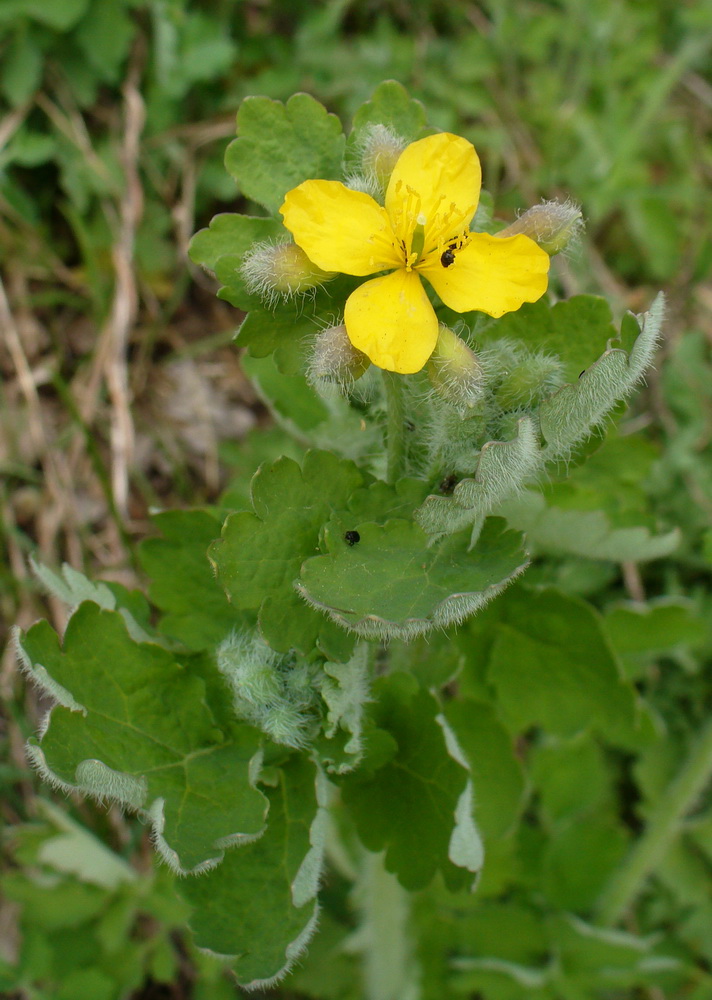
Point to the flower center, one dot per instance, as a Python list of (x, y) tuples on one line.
[(419, 238)]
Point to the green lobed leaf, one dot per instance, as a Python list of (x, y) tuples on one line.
[(392, 583), (283, 333), (553, 666), (183, 586), (257, 908), (138, 730), (286, 329), (222, 248), (289, 395), (258, 557), (390, 105), (280, 145), (409, 806)]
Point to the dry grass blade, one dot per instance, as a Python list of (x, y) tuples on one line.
[(125, 300)]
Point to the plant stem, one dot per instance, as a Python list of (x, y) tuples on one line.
[(388, 963), (395, 427), (662, 828)]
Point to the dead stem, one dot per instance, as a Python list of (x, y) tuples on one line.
[(633, 581), (12, 121), (59, 512), (125, 301)]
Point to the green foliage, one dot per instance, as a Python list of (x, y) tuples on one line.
[(135, 728), (392, 584), (195, 609), (273, 751), (279, 145), (429, 781), (258, 557), (263, 892)]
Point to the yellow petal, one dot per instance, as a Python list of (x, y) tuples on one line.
[(444, 172), (391, 320), (340, 229), (491, 274)]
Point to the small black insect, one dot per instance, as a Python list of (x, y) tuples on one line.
[(447, 258), (448, 484), (582, 373), (351, 537)]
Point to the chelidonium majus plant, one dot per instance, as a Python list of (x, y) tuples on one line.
[(285, 683)]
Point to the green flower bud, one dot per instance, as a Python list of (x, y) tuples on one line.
[(454, 371), (335, 359), (280, 270), (554, 225), (380, 149), (521, 378)]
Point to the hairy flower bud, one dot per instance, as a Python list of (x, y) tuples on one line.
[(520, 378), (454, 371), (380, 148), (280, 270), (335, 359), (554, 225)]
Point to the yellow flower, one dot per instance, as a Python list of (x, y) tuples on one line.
[(423, 230)]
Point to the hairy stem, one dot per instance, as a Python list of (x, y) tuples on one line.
[(395, 427), (662, 828), (388, 963)]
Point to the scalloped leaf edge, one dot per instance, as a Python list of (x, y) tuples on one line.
[(452, 610), (103, 784)]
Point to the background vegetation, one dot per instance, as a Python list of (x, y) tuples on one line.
[(121, 392)]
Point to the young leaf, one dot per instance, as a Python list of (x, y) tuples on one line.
[(280, 145), (570, 414), (392, 584), (501, 469), (257, 908), (137, 730)]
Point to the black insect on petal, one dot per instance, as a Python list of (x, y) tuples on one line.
[(447, 257), (351, 537)]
